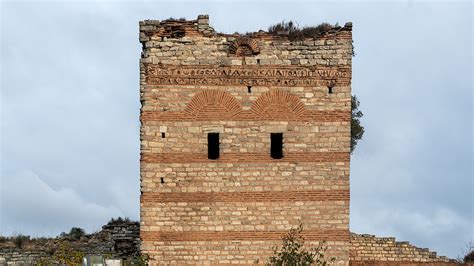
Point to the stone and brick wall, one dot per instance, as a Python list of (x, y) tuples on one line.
[(234, 209), (371, 250), (21, 257), (117, 240), (122, 241)]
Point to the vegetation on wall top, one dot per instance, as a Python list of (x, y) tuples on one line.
[(296, 33)]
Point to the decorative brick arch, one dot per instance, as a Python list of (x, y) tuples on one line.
[(278, 104), (244, 46), (213, 104)]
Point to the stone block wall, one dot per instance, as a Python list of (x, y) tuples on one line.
[(117, 240), (21, 257), (371, 250), (195, 81), (122, 239)]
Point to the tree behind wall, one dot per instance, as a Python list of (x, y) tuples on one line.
[(357, 130)]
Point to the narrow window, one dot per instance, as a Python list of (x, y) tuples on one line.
[(162, 180), (330, 89), (276, 149), (213, 146), (163, 135), (258, 61), (249, 89)]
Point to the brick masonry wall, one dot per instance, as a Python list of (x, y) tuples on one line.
[(235, 209), (370, 250)]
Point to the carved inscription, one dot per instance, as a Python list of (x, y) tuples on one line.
[(297, 76)]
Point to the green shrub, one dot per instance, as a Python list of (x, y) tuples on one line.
[(293, 251), (66, 255), (119, 220), (468, 254), (76, 233), (20, 240), (139, 260), (469, 258)]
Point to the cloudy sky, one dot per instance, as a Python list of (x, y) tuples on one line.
[(69, 123)]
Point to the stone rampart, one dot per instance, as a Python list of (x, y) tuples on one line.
[(371, 250)]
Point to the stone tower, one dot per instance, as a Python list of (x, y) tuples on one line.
[(242, 138)]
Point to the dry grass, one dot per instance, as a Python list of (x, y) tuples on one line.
[(296, 33), (174, 19)]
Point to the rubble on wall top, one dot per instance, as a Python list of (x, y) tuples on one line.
[(176, 28)]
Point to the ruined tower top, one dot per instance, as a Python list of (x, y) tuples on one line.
[(181, 28)]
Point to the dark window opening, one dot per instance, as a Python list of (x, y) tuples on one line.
[(213, 146), (276, 149), (249, 89), (258, 61), (330, 89), (162, 180), (177, 31), (163, 135)]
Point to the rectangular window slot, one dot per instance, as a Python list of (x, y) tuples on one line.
[(162, 180), (249, 89), (163, 135), (213, 146), (330, 89), (276, 149)]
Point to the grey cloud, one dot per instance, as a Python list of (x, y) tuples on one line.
[(36, 205)]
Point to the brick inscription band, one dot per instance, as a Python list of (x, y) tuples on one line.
[(248, 75)]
